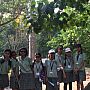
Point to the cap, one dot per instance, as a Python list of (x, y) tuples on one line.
[(67, 50), (51, 51)]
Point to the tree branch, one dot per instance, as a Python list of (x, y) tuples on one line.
[(8, 21)]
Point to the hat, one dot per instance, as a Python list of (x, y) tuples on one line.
[(78, 45), (51, 51), (67, 50)]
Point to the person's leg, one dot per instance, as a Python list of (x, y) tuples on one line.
[(65, 86), (56, 85), (82, 86), (82, 78), (59, 87), (38, 84), (78, 85), (78, 80), (70, 86)]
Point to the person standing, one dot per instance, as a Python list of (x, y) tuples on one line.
[(5, 65), (14, 82), (68, 68), (60, 61), (51, 71), (79, 67), (26, 73), (38, 67)]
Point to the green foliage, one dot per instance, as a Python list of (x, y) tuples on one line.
[(70, 25), (42, 39), (47, 19), (10, 10), (65, 22)]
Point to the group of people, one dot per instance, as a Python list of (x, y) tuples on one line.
[(28, 74), (65, 68)]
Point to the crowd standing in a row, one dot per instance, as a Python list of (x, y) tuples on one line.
[(28, 74)]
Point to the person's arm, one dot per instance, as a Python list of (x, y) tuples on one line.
[(14, 68), (81, 65), (75, 69), (46, 79), (31, 64), (83, 61), (15, 73), (64, 74)]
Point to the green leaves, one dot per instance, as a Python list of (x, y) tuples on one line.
[(69, 24), (36, 27)]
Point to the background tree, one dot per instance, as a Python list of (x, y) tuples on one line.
[(57, 22)]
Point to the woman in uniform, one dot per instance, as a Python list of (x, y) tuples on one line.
[(60, 61), (14, 82), (51, 71), (38, 67), (5, 65), (68, 68), (26, 72), (79, 67)]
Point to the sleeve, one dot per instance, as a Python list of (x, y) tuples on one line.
[(0, 62), (56, 64), (30, 61), (46, 63), (63, 61), (56, 57), (13, 64), (84, 57)]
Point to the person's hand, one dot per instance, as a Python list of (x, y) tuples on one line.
[(76, 70), (64, 76), (58, 83)]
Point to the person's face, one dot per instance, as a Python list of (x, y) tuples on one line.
[(22, 52), (51, 56), (78, 49), (59, 50), (68, 54), (7, 54), (13, 55), (38, 58)]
